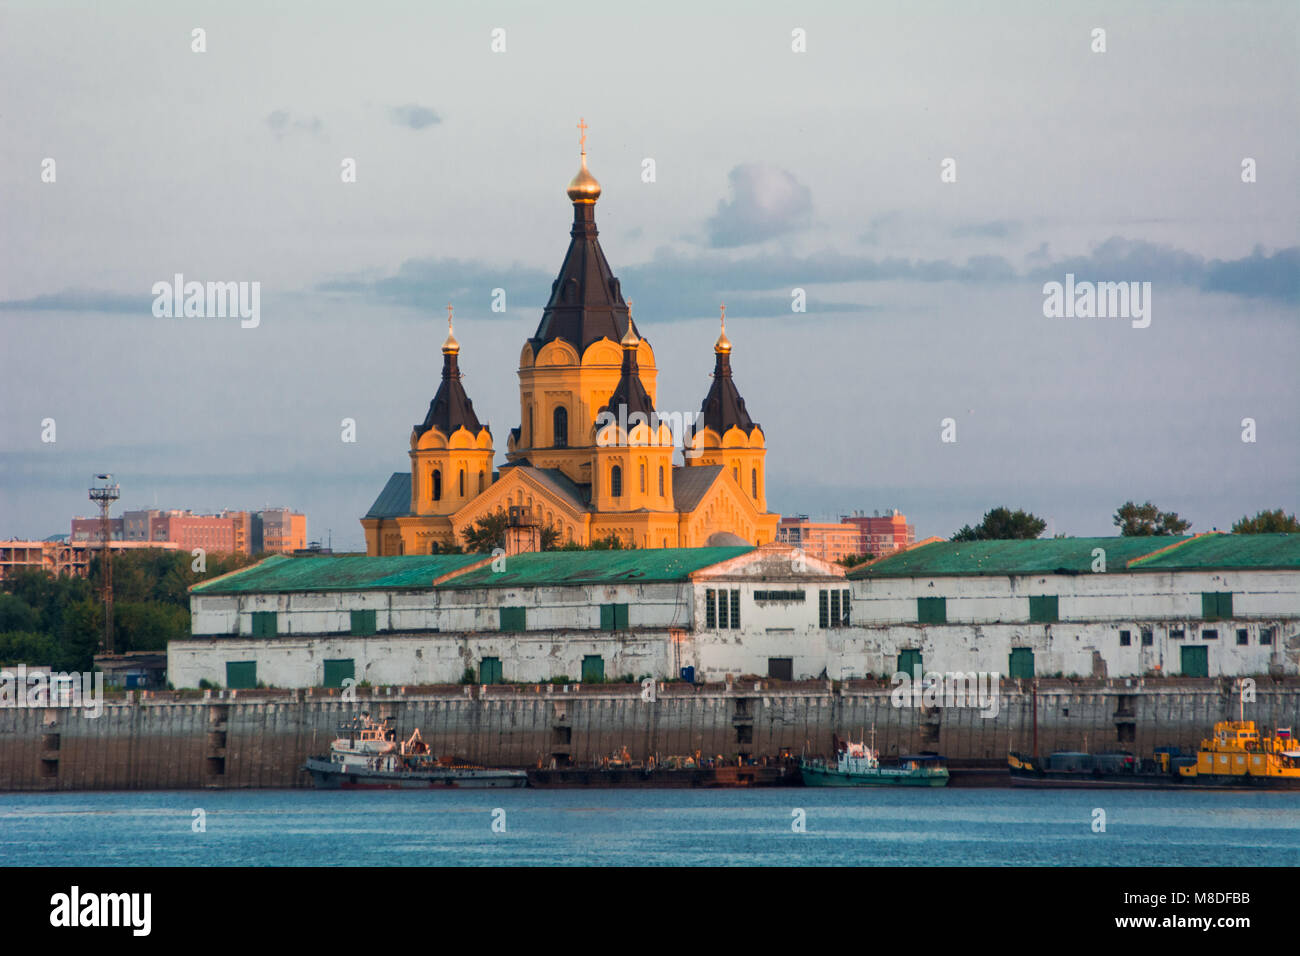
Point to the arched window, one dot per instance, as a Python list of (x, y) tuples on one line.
[(661, 486), (437, 485), (641, 471), (616, 482), (753, 484), (462, 482), (530, 425), (482, 481), (735, 473), (561, 427)]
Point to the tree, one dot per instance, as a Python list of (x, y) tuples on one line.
[(1144, 520), (486, 533), (1267, 522), (853, 560), (1001, 524)]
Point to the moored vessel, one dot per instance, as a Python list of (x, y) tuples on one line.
[(857, 765), (1238, 756), (367, 755)]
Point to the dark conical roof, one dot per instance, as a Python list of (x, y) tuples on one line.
[(723, 407), (586, 302), (451, 408), (630, 391)]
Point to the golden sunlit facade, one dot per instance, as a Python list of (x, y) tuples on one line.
[(591, 457)]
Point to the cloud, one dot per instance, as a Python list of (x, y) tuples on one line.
[(82, 300), (415, 117), (430, 283), (282, 123), (765, 202), (993, 229)]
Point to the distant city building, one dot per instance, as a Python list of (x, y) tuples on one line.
[(881, 534), (855, 534), (277, 530), (827, 541), (63, 557)]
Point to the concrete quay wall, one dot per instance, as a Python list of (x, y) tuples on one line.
[(242, 739)]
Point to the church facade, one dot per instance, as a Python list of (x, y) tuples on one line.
[(591, 457)]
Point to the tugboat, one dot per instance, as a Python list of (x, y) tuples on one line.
[(858, 765), (368, 756), (1238, 756)]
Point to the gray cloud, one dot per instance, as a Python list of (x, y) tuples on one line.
[(82, 300), (993, 229), (282, 123), (765, 202), (413, 116)]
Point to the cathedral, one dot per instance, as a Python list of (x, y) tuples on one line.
[(591, 457)]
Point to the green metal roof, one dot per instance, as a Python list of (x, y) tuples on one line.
[(1226, 551), (1024, 556), (279, 574), (560, 568)]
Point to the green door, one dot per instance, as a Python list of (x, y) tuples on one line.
[(1196, 661), (909, 662), (241, 675), (593, 669), (336, 671), (489, 671), (1021, 663)]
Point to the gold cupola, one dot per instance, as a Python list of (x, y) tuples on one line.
[(723, 345), (450, 346), (583, 187)]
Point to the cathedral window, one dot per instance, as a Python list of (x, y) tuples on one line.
[(482, 481), (561, 422), (462, 482), (661, 488), (753, 484), (437, 485), (616, 482), (642, 475)]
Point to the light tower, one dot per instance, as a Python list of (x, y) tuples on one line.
[(104, 495)]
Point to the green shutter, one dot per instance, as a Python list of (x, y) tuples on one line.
[(1225, 604), (241, 675), (1195, 661), (363, 623), (593, 669), (514, 619), (1209, 605), (1044, 609), (909, 662), (607, 617), (336, 671), (932, 610), (489, 671), (1021, 663), (265, 623), (620, 616)]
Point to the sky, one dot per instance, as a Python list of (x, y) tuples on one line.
[(775, 169)]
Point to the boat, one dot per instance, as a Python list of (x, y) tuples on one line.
[(1238, 756), (673, 772), (857, 765), (367, 755)]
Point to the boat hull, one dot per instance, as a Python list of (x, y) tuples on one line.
[(327, 775), (1063, 780), (814, 776)]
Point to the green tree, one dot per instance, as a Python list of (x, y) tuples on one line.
[(1144, 520), (853, 560), (1000, 524), (1267, 522)]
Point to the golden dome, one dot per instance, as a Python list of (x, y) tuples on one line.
[(450, 346), (583, 187), (723, 344)]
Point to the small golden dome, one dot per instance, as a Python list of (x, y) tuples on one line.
[(450, 346), (723, 344), (583, 187), (630, 339)]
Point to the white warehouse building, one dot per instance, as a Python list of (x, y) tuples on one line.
[(1208, 606)]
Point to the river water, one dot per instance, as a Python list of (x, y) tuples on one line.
[(651, 827)]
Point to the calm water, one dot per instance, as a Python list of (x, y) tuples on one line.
[(720, 827)]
